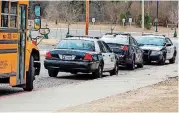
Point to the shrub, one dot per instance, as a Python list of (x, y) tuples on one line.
[(148, 22), (122, 15), (139, 20)]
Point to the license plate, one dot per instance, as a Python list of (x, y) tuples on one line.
[(65, 57)]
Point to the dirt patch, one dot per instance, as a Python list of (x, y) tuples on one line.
[(161, 97)]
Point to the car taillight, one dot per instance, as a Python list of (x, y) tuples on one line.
[(88, 57), (48, 55), (124, 48)]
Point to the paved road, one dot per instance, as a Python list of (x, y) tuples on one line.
[(53, 99), (44, 81)]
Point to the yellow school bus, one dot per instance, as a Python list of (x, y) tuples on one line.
[(19, 57)]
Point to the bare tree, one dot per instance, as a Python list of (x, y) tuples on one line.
[(113, 10), (104, 11), (68, 12), (173, 12), (51, 11), (135, 10)]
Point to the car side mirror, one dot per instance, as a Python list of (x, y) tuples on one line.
[(168, 44), (44, 31)]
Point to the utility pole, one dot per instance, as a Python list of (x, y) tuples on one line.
[(178, 18), (143, 14), (156, 30), (87, 17)]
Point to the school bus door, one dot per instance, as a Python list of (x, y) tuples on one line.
[(21, 72)]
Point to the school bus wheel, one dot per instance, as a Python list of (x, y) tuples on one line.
[(30, 75)]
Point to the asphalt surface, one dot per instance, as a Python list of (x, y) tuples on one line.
[(44, 81)]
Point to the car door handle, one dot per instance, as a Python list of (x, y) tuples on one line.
[(109, 55)]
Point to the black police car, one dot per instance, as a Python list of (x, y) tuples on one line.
[(157, 48), (81, 54), (126, 48)]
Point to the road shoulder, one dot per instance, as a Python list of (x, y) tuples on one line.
[(161, 97)]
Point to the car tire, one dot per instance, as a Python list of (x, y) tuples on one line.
[(162, 61), (172, 61), (114, 71), (99, 72), (149, 62), (30, 75), (52, 73), (132, 65), (74, 73)]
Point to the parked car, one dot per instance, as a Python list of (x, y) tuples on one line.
[(81, 54), (125, 46), (157, 48)]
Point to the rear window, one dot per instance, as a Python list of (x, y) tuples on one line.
[(108, 36), (122, 40), (114, 47), (117, 40), (76, 45)]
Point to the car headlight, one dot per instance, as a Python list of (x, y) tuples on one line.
[(156, 52)]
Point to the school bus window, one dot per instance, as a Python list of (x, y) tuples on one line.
[(4, 21), (14, 8), (13, 21), (13, 15), (4, 14), (5, 7), (22, 14)]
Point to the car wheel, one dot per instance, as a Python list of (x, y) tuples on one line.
[(30, 76), (132, 65), (149, 62), (172, 61), (74, 73), (162, 61), (99, 72), (52, 73), (114, 71)]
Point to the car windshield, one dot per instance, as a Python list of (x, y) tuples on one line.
[(150, 41), (76, 45)]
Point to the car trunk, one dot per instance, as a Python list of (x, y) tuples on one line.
[(68, 54)]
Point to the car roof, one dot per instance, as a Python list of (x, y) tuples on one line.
[(119, 33), (155, 36), (116, 36), (81, 38), (115, 39)]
